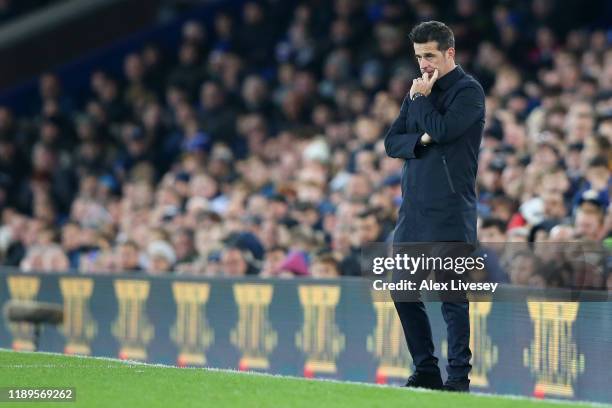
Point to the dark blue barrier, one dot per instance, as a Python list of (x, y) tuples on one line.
[(311, 328), (75, 75)]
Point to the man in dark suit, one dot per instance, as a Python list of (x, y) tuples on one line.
[(438, 134)]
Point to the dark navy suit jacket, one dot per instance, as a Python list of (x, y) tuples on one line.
[(439, 180)]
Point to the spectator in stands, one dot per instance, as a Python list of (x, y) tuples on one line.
[(71, 244), (234, 262), (161, 257), (128, 257), (589, 224), (523, 269), (272, 260), (188, 74), (325, 266)]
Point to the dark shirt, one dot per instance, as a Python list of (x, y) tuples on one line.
[(439, 180)]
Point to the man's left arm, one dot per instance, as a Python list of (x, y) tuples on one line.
[(463, 112)]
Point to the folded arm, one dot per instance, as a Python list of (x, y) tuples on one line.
[(463, 112), (400, 144)]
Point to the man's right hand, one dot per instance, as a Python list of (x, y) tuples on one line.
[(426, 139), (423, 84)]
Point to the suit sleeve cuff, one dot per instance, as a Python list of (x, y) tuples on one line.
[(418, 109), (408, 149)]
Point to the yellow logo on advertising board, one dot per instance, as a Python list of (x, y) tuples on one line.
[(388, 344), (253, 334), (191, 332), (79, 328), (484, 352), (132, 327), (553, 356), (320, 339), (23, 288)]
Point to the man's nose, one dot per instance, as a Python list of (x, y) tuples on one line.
[(423, 64)]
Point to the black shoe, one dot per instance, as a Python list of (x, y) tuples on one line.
[(457, 385), (425, 380)]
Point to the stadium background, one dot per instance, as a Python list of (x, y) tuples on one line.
[(245, 138)]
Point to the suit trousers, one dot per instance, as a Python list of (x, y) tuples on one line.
[(455, 311)]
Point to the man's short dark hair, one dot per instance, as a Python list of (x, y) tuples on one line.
[(492, 222), (598, 161), (433, 31), (369, 212), (131, 244)]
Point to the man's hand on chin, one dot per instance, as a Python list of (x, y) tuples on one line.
[(423, 84)]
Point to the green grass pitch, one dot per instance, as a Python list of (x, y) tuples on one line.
[(113, 383)]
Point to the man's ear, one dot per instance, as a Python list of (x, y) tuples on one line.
[(450, 53)]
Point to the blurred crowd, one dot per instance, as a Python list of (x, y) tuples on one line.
[(256, 146)]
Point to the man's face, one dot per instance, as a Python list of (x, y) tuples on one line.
[(159, 265), (233, 263), (325, 270), (183, 245), (598, 175), (431, 58), (588, 225), (555, 183), (358, 187), (554, 206), (128, 257), (272, 261), (70, 237), (368, 229), (521, 270)]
